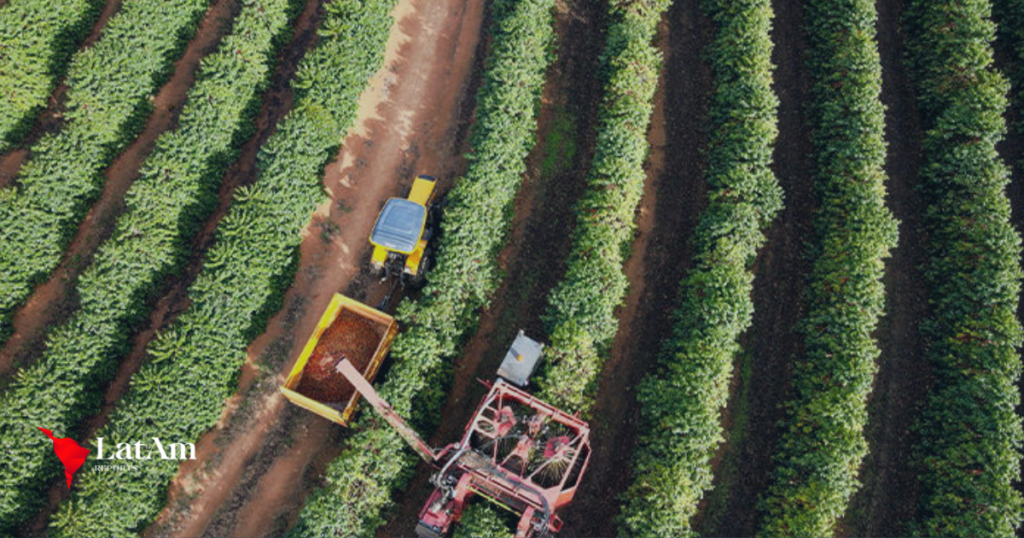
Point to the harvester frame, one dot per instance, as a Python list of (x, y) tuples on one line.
[(466, 468), (517, 451)]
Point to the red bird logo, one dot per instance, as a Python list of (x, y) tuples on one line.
[(70, 453)]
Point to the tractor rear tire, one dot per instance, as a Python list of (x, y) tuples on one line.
[(426, 263)]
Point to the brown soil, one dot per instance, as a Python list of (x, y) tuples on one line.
[(295, 444), (10, 165), (539, 242), (780, 272), (52, 301), (50, 118), (411, 120), (674, 198), (889, 494)]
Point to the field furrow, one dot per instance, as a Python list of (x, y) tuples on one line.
[(149, 243), (743, 471), (108, 99), (413, 117), (1009, 15), (771, 248), (968, 455), (374, 459), (581, 314), (888, 496), (243, 277), (675, 195), (681, 403), (38, 37), (580, 319), (53, 300), (819, 455), (1009, 58), (538, 243)]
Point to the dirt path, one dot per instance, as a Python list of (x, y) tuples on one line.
[(10, 165), (889, 494), (780, 273), (1012, 151), (52, 301), (539, 242), (674, 197), (49, 118), (412, 119), (174, 299)]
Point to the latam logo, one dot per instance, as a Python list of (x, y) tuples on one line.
[(73, 455), (70, 453)]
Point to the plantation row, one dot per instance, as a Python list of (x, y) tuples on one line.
[(476, 223), (970, 436), (174, 193), (681, 404), (180, 392), (108, 99), (822, 445), (581, 313), (38, 37), (581, 317)]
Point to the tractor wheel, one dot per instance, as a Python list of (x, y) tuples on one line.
[(435, 211), (426, 264)]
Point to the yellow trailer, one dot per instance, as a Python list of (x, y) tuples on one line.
[(349, 330)]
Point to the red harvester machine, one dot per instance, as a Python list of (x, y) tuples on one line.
[(517, 451)]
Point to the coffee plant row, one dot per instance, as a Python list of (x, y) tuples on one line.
[(818, 457), (968, 453), (681, 403), (193, 366), (581, 313), (175, 191), (476, 223), (38, 37), (108, 99)]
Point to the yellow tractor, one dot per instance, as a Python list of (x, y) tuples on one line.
[(401, 236)]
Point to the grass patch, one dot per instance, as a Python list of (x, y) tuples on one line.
[(560, 144)]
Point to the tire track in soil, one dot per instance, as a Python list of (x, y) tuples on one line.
[(174, 298), (780, 272), (674, 197), (50, 118), (889, 493), (254, 469), (539, 241), (53, 301)]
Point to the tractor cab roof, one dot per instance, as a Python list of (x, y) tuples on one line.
[(399, 225)]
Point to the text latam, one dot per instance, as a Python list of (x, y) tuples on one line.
[(141, 451)]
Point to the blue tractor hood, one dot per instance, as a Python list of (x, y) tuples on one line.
[(399, 225)]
